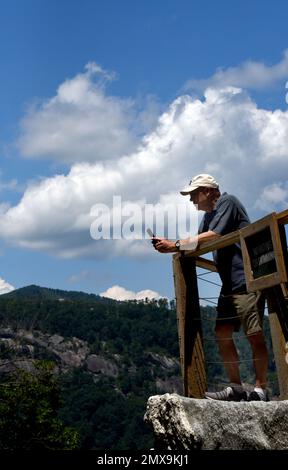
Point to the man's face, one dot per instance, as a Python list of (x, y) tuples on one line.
[(200, 198)]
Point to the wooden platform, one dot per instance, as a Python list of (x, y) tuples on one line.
[(264, 270)]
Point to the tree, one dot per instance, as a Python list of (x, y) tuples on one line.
[(29, 402)]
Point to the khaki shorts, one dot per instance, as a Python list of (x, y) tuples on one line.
[(245, 309)]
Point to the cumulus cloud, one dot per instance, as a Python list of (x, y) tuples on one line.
[(83, 123), (250, 75), (5, 287), (273, 195), (10, 185), (243, 146), (120, 293), (79, 277)]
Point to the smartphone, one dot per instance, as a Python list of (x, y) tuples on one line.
[(151, 234)]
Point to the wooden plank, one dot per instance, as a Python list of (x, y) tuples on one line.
[(284, 288), (180, 295), (194, 354), (206, 264), (253, 238), (221, 242), (263, 283), (280, 244), (279, 350), (281, 301), (278, 319), (188, 309), (229, 239), (189, 327), (282, 217)]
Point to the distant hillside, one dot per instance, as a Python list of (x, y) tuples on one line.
[(34, 292), (109, 357), (107, 324), (113, 356)]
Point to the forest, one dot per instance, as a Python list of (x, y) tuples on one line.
[(87, 409)]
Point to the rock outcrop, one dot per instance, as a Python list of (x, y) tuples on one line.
[(70, 352), (99, 365), (192, 424), (20, 348)]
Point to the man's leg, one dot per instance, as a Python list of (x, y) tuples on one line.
[(260, 358), (252, 310), (228, 351)]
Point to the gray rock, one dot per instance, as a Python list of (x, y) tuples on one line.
[(69, 352), (164, 361), (99, 365), (56, 339), (188, 423), (71, 359), (173, 384)]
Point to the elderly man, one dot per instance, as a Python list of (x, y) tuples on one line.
[(224, 213)]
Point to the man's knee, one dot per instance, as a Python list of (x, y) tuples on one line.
[(256, 338), (224, 331)]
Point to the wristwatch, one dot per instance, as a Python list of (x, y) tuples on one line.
[(177, 244)]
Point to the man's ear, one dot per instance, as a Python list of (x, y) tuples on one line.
[(210, 193)]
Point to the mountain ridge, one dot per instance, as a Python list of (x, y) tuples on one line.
[(35, 292), (108, 357)]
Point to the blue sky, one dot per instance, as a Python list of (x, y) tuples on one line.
[(131, 98)]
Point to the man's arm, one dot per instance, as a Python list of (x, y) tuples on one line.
[(166, 246)]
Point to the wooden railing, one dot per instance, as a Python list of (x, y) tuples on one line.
[(189, 313)]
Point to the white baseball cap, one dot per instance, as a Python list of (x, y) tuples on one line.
[(203, 180)]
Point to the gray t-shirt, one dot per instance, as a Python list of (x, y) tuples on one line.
[(229, 215)]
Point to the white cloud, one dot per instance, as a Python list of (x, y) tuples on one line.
[(251, 75), (120, 293), (5, 287), (273, 195), (10, 185), (82, 123), (79, 277), (245, 147)]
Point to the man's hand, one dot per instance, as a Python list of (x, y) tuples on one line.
[(164, 246), (188, 244)]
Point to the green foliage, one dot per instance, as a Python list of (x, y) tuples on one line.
[(34, 292), (28, 412), (103, 415), (215, 371), (107, 412), (127, 328)]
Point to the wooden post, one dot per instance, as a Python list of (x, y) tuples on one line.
[(262, 245), (265, 257), (189, 327), (278, 319)]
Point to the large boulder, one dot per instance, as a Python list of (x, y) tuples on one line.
[(100, 365), (187, 423)]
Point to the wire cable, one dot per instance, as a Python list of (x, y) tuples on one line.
[(240, 361), (210, 282)]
